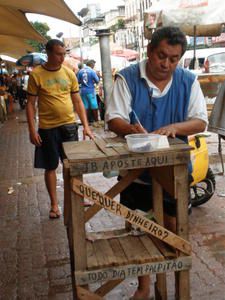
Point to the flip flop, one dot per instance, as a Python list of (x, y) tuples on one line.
[(54, 214)]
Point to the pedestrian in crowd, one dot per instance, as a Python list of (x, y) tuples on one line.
[(167, 100), (19, 90), (25, 80), (56, 90), (14, 86), (80, 66), (87, 79), (9, 99)]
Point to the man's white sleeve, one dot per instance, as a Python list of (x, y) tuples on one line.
[(119, 105), (197, 106)]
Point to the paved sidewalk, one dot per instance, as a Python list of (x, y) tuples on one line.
[(34, 256)]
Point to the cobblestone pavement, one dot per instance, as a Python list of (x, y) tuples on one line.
[(34, 256)]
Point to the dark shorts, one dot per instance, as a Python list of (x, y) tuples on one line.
[(47, 156), (139, 196)]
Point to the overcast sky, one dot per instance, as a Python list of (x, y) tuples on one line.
[(68, 29)]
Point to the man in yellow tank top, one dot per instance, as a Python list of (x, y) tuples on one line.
[(55, 89)]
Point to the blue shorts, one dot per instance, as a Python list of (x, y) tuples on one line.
[(90, 101), (48, 154)]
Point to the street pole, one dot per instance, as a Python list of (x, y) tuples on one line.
[(81, 44), (103, 35), (82, 13)]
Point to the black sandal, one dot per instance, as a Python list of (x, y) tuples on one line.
[(54, 214)]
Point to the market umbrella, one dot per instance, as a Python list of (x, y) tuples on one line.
[(71, 63), (128, 54), (32, 59), (195, 18), (14, 46), (52, 8), (15, 24)]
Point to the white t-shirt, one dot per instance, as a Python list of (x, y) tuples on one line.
[(119, 105)]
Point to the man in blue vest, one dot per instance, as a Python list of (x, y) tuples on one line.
[(167, 100)]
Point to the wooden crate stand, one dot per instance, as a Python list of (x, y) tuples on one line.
[(110, 257)]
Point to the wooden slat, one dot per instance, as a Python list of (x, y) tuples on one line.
[(77, 151), (67, 195), (154, 253), (175, 141), (107, 287), (92, 164), (104, 253), (79, 242), (133, 270), (122, 150), (84, 294), (158, 198), (182, 194), (131, 216), (100, 235), (101, 144), (164, 176), (92, 262), (87, 150), (120, 257), (164, 249), (160, 284), (115, 190), (117, 146), (134, 250)]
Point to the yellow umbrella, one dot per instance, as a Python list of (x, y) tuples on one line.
[(53, 8)]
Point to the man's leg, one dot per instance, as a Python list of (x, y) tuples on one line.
[(95, 114), (143, 291), (50, 182), (93, 104)]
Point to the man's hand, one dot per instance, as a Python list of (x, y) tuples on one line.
[(87, 132), (35, 139), (169, 130), (137, 128), (122, 127), (182, 128)]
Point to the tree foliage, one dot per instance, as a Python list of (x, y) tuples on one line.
[(42, 28), (119, 25)]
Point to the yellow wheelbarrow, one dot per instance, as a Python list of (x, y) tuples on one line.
[(203, 182)]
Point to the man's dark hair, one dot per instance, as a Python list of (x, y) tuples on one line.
[(91, 63), (173, 35), (51, 43), (80, 66)]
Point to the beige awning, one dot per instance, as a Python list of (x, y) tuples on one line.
[(13, 46), (206, 17), (52, 8), (14, 22)]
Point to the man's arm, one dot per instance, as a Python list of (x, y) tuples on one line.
[(118, 109), (96, 78), (122, 127), (184, 128), (197, 118), (80, 110), (30, 110)]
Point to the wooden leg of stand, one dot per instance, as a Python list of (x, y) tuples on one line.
[(182, 279), (160, 285)]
